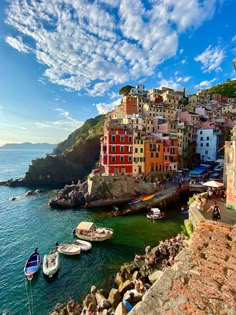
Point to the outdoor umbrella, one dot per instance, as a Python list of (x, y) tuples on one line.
[(213, 183)]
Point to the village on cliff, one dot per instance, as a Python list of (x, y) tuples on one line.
[(150, 137)]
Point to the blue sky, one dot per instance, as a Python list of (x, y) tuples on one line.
[(64, 61)]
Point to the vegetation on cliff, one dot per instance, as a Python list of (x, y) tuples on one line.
[(78, 156), (91, 127), (228, 88)]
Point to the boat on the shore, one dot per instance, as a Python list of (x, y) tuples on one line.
[(32, 265), (84, 245), (89, 232), (155, 214), (51, 263), (148, 197), (69, 249)]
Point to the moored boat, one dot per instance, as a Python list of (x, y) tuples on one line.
[(89, 232), (84, 245), (148, 197), (51, 263), (155, 214), (32, 265), (69, 249)]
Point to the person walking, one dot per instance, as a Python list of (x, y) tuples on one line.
[(215, 211)]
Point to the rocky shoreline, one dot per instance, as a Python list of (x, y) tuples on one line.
[(132, 282)]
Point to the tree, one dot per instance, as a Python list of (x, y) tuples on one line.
[(125, 90)]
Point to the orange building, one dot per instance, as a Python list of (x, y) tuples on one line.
[(154, 156)]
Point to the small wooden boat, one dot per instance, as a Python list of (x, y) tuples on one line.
[(32, 265), (51, 264), (69, 249), (146, 198), (84, 245), (134, 201), (89, 232), (155, 214)]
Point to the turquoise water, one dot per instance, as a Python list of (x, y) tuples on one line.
[(28, 222)]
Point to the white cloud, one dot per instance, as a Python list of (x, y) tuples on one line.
[(183, 79), (94, 45), (234, 38), (181, 51), (16, 42), (204, 84), (211, 59), (170, 84), (104, 108)]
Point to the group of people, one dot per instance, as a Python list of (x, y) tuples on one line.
[(164, 253)]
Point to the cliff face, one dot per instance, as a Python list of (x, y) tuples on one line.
[(73, 165)]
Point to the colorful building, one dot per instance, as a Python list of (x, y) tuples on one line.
[(116, 154)]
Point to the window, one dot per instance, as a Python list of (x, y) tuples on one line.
[(200, 132), (121, 149), (207, 144), (122, 139), (130, 158), (113, 148), (130, 139), (201, 145), (136, 150), (113, 158), (201, 138), (206, 152), (157, 155), (207, 138), (151, 154), (113, 138), (141, 150), (121, 159)]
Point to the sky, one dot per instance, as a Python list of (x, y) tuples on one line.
[(64, 61)]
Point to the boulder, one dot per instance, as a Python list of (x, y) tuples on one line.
[(121, 310), (155, 276), (102, 302), (93, 289), (89, 299), (114, 298), (127, 285), (119, 279)]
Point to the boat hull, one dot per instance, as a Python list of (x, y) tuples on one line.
[(69, 249), (50, 264), (32, 265), (84, 245), (98, 236)]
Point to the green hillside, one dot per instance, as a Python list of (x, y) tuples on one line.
[(228, 88), (91, 127)]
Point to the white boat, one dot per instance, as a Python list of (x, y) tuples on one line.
[(51, 264), (69, 249), (89, 232), (84, 245), (155, 214)]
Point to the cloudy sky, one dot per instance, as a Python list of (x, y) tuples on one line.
[(64, 61)]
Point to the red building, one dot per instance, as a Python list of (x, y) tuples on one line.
[(117, 149)]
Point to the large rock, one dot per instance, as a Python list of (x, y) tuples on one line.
[(127, 285), (89, 299), (114, 298), (121, 310), (102, 302), (155, 276)]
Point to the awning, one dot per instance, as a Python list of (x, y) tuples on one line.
[(198, 170), (84, 226)]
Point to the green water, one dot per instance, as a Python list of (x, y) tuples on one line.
[(28, 222)]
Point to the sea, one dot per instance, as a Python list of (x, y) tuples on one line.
[(28, 222)]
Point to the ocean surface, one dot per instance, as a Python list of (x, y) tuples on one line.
[(28, 222)]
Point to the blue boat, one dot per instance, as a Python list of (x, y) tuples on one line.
[(32, 265)]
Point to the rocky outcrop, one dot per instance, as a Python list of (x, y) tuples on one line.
[(69, 167), (133, 283)]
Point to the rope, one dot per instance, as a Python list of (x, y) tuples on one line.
[(28, 297)]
